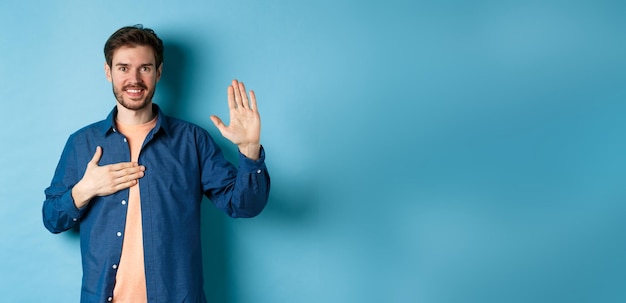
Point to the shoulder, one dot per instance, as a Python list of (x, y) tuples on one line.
[(80, 142), (96, 129), (179, 127), (185, 132)]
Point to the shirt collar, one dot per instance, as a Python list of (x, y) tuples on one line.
[(109, 123)]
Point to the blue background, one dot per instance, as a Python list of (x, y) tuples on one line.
[(421, 151)]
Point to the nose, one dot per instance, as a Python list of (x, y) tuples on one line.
[(135, 76)]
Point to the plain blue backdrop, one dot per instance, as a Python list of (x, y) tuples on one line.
[(421, 151)]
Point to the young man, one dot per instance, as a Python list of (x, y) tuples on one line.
[(134, 183)]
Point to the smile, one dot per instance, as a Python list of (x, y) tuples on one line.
[(134, 92)]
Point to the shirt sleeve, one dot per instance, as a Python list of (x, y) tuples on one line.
[(240, 192), (59, 211), (252, 185)]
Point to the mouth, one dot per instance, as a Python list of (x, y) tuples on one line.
[(134, 92)]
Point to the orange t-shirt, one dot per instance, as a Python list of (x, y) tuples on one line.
[(130, 282)]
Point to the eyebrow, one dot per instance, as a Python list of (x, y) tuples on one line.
[(142, 65)]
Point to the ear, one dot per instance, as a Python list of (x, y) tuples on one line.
[(107, 72), (158, 72)]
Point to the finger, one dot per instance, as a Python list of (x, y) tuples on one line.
[(237, 93), (131, 177), (119, 167), (244, 95), (231, 98), (127, 179), (122, 175), (131, 170), (218, 123), (125, 185), (253, 101), (96, 156)]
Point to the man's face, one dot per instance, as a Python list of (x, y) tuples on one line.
[(134, 76)]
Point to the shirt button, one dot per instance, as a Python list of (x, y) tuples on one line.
[(110, 299), (258, 171), (123, 202), (114, 266), (125, 140), (119, 233), (74, 219)]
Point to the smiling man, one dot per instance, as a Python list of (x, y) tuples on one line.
[(134, 182), (133, 73)]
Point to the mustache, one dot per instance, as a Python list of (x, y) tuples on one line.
[(135, 86)]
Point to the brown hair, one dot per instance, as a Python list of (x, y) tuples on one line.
[(133, 36)]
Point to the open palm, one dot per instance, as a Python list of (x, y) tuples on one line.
[(244, 129)]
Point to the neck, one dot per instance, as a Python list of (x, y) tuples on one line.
[(134, 117)]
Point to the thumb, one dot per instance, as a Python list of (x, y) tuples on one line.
[(96, 156), (218, 123)]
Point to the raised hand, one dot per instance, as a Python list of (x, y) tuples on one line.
[(245, 123), (105, 180)]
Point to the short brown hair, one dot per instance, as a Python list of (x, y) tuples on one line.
[(133, 36)]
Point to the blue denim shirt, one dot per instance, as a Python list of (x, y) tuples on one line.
[(183, 163)]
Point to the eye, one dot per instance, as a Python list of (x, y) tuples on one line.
[(145, 69), (123, 68)]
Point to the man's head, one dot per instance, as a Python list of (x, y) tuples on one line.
[(134, 57)]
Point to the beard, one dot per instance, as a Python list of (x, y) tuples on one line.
[(134, 104)]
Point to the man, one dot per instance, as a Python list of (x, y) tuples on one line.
[(134, 183)]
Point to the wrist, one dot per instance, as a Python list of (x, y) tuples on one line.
[(251, 151), (80, 196)]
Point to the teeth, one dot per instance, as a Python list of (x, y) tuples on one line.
[(134, 91)]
